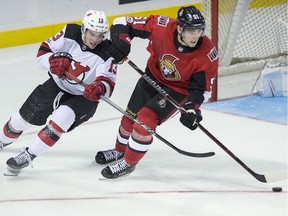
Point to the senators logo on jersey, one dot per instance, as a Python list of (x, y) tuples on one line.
[(168, 68), (162, 21), (213, 54)]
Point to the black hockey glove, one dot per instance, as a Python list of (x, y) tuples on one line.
[(120, 43), (192, 117), (120, 48)]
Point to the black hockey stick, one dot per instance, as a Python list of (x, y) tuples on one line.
[(191, 154), (273, 177), (262, 178)]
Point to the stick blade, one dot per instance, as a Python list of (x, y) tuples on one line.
[(199, 155)]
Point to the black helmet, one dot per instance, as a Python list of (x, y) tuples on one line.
[(190, 17)]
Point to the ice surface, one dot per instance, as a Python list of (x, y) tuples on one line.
[(66, 180)]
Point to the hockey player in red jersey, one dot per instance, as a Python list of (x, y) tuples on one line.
[(183, 61), (81, 51)]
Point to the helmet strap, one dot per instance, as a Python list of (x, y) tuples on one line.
[(181, 38)]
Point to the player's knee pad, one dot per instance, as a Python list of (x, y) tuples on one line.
[(147, 117), (127, 124), (64, 117), (18, 123), (125, 130)]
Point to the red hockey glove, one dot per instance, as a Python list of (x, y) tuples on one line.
[(94, 91), (59, 63), (191, 118)]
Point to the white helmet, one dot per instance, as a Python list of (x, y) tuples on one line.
[(95, 21)]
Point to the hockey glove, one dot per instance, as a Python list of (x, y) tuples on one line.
[(94, 91), (191, 118), (120, 48), (59, 63)]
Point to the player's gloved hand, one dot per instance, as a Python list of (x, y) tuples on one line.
[(94, 91), (59, 63), (192, 117), (120, 48)]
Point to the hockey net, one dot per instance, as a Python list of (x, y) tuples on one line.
[(248, 34)]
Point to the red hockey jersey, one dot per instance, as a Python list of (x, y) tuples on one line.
[(170, 63)]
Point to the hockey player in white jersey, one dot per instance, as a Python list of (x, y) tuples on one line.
[(81, 51)]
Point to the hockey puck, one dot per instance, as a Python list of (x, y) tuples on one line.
[(277, 189)]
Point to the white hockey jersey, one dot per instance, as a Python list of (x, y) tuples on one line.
[(87, 65)]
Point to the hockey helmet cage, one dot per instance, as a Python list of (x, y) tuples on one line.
[(190, 17), (95, 21)]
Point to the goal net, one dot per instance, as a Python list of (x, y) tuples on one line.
[(249, 34)]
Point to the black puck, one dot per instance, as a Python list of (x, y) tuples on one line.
[(277, 189)]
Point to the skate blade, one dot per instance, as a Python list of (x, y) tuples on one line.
[(102, 178), (11, 172)]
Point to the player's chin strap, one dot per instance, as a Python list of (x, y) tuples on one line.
[(152, 132), (181, 38), (273, 177)]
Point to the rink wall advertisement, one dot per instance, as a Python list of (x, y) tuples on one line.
[(33, 21)]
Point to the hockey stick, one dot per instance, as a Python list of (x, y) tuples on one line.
[(273, 177), (198, 155), (262, 178)]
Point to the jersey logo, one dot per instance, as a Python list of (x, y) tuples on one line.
[(168, 68), (162, 21), (78, 71), (213, 54)]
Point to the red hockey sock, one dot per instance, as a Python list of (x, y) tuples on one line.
[(137, 149), (123, 135)]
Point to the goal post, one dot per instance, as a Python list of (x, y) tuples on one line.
[(247, 33)]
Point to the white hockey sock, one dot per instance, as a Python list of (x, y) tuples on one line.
[(38, 147)]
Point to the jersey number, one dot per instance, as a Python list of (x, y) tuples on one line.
[(57, 36), (139, 20)]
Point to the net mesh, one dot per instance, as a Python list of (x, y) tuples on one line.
[(249, 30)]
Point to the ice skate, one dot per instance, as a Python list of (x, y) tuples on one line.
[(108, 156), (17, 163), (120, 168)]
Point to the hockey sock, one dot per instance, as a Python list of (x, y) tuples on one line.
[(13, 128), (123, 135), (46, 138), (140, 140), (51, 133), (136, 148)]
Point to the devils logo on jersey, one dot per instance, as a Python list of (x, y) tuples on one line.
[(77, 70), (168, 68)]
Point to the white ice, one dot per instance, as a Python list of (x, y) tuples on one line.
[(67, 181)]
